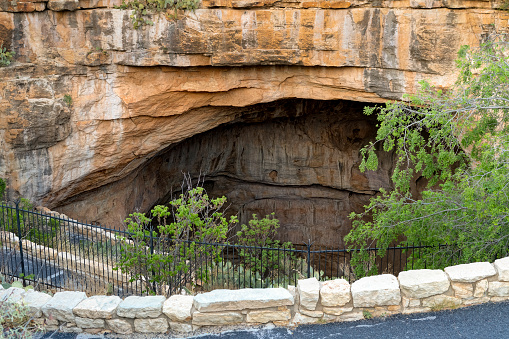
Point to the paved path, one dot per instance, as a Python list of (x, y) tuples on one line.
[(488, 321), (43, 269)]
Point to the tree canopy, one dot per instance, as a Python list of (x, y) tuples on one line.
[(458, 140)]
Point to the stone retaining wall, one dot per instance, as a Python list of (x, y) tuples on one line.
[(309, 302)]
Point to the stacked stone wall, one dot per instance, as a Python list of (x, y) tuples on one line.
[(310, 302)]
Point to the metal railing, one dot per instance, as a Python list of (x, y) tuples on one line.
[(53, 252)]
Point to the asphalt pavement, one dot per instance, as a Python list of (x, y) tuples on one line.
[(45, 270), (487, 321)]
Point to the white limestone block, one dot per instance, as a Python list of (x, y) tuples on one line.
[(119, 326), (480, 288), (61, 305), (217, 318), (265, 316), (423, 283), (233, 300), (180, 327), (379, 290), (12, 294), (309, 293), (300, 319), (157, 325), (35, 301), (470, 272), (98, 307), (335, 293), (441, 302), (502, 266), (498, 289), (337, 310), (178, 307), (141, 307), (89, 323), (314, 314), (463, 290)]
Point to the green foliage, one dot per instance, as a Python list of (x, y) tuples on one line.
[(16, 321), (33, 227), (260, 233), (172, 256), (3, 186), (5, 56), (225, 274), (143, 9), (367, 314), (68, 100), (458, 141)]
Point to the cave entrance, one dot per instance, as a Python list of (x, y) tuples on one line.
[(297, 158)]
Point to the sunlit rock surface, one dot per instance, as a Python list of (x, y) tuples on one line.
[(98, 119)]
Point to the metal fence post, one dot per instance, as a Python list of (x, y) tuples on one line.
[(20, 242), (309, 259), (151, 253)]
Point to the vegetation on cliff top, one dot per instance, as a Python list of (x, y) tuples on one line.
[(143, 9), (459, 141)]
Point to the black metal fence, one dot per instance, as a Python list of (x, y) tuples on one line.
[(51, 251)]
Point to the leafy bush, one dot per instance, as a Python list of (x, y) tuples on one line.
[(5, 56), (172, 257), (261, 233), (15, 321), (458, 140), (143, 8)]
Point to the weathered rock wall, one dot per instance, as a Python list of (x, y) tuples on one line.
[(135, 93)]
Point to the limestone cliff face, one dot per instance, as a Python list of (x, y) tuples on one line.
[(139, 96)]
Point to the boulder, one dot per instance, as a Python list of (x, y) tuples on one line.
[(89, 323), (463, 290), (335, 293), (35, 301), (158, 325), (98, 307), (439, 302), (141, 307), (337, 310), (379, 290), (61, 305), (178, 307), (252, 298), (423, 283), (12, 294), (265, 316), (480, 288), (502, 267), (180, 327), (217, 318), (300, 319), (119, 326), (470, 272), (309, 292), (498, 289)]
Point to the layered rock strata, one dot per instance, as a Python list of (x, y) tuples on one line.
[(89, 102)]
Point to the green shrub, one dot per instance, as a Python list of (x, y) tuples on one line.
[(458, 141), (15, 321), (261, 233), (5, 56), (172, 257), (141, 9)]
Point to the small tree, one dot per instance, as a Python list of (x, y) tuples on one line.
[(267, 263), (170, 255), (459, 141)]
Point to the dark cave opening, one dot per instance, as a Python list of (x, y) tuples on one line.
[(297, 158)]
